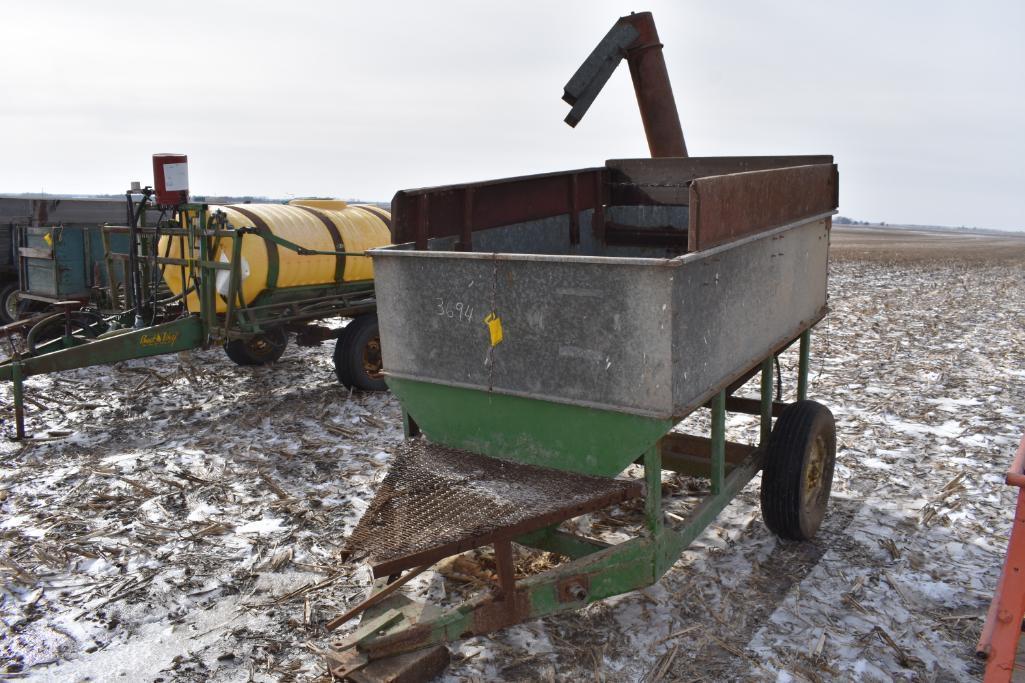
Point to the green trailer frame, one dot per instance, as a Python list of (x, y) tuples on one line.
[(594, 571)]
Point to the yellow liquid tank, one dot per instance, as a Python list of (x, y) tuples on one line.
[(319, 224)]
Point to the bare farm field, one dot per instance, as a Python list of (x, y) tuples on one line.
[(180, 518)]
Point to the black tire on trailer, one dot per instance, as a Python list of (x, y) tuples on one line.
[(798, 472), (9, 302), (358, 355), (342, 369), (85, 326), (261, 349)]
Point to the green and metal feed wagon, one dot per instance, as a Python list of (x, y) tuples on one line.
[(590, 312), (544, 334)]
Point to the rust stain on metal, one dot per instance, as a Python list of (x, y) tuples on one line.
[(727, 207), (437, 501), (667, 181), (411, 667), (406, 640), (374, 599), (498, 614), (653, 89), (1001, 631), (574, 212), (458, 210), (506, 571), (574, 588), (635, 38)]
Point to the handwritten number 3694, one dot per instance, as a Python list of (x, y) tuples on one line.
[(454, 309)]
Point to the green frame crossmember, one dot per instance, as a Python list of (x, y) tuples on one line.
[(595, 570)]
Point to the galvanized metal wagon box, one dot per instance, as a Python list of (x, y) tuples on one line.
[(544, 333)]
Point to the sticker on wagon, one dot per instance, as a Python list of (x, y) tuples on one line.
[(158, 339), (494, 324)]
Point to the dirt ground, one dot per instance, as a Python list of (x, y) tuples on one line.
[(905, 244), (179, 519)]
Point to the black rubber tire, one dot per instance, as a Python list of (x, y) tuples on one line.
[(342, 370), (263, 349), (9, 302), (358, 355), (798, 472), (84, 327)]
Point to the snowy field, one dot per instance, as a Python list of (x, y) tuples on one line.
[(179, 519)]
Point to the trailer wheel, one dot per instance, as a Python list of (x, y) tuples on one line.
[(358, 355), (261, 349), (84, 326), (9, 302), (798, 470)]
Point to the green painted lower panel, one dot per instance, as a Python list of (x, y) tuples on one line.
[(565, 437)]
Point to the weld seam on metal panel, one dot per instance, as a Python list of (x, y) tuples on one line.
[(397, 250), (726, 246), (786, 339), (537, 397), (502, 256)]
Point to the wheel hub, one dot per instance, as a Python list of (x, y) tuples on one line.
[(814, 473)]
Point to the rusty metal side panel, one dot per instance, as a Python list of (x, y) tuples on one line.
[(667, 181), (460, 210), (727, 207), (735, 304)]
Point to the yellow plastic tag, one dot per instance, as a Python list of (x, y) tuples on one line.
[(48, 240), (494, 324)]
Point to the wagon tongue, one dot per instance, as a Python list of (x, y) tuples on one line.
[(438, 501)]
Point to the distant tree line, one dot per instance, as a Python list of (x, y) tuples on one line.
[(844, 220)]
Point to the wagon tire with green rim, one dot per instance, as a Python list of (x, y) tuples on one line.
[(85, 326), (260, 349), (9, 302), (798, 470), (358, 355)]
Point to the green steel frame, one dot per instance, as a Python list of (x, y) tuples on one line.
[(595, 570)]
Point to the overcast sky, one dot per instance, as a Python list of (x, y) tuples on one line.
[(921, 103)]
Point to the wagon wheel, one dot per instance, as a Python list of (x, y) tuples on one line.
[(798, 470), (84, 327), (358, 355), (261, 349), (9, 308)]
